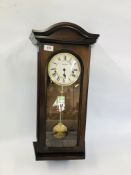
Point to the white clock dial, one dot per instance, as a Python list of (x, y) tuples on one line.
[(64, 69)]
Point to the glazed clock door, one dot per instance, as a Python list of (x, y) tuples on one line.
[(63, 100)]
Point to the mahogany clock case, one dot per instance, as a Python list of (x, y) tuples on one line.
[(69, 38)]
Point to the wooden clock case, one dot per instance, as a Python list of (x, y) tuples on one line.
[(72, 38)]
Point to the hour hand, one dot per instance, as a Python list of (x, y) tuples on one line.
[(64, 75)]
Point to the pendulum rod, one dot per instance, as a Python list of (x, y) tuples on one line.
[(61, 113)]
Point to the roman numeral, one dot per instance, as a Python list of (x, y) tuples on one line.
[(58, 78), (53, 62), (69, 79), (73, 75), (59, 58), (70, 60), (65, 57), (53, 69), (54, 74)]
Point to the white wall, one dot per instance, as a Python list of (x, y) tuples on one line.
[(108, 137)]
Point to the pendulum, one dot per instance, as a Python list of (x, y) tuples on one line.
[(60, 130)]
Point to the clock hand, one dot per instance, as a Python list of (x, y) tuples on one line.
[(64, 75), (64, 72)]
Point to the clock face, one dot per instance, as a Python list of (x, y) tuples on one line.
[(64, 69)]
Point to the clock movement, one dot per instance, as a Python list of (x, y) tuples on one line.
[(62, 87)]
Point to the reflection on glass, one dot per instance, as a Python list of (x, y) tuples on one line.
[(62, 114)]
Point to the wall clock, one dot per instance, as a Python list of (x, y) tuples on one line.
[(62, 88)]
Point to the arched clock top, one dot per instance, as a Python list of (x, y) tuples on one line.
[(63, 33)]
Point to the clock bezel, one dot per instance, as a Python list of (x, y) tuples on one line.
[(74, 57)]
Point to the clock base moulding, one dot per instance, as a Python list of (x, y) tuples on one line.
[(58, 156)]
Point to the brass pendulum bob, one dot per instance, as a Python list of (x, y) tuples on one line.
[(59, 130)]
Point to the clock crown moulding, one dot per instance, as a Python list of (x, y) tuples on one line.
[(57, 34)]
